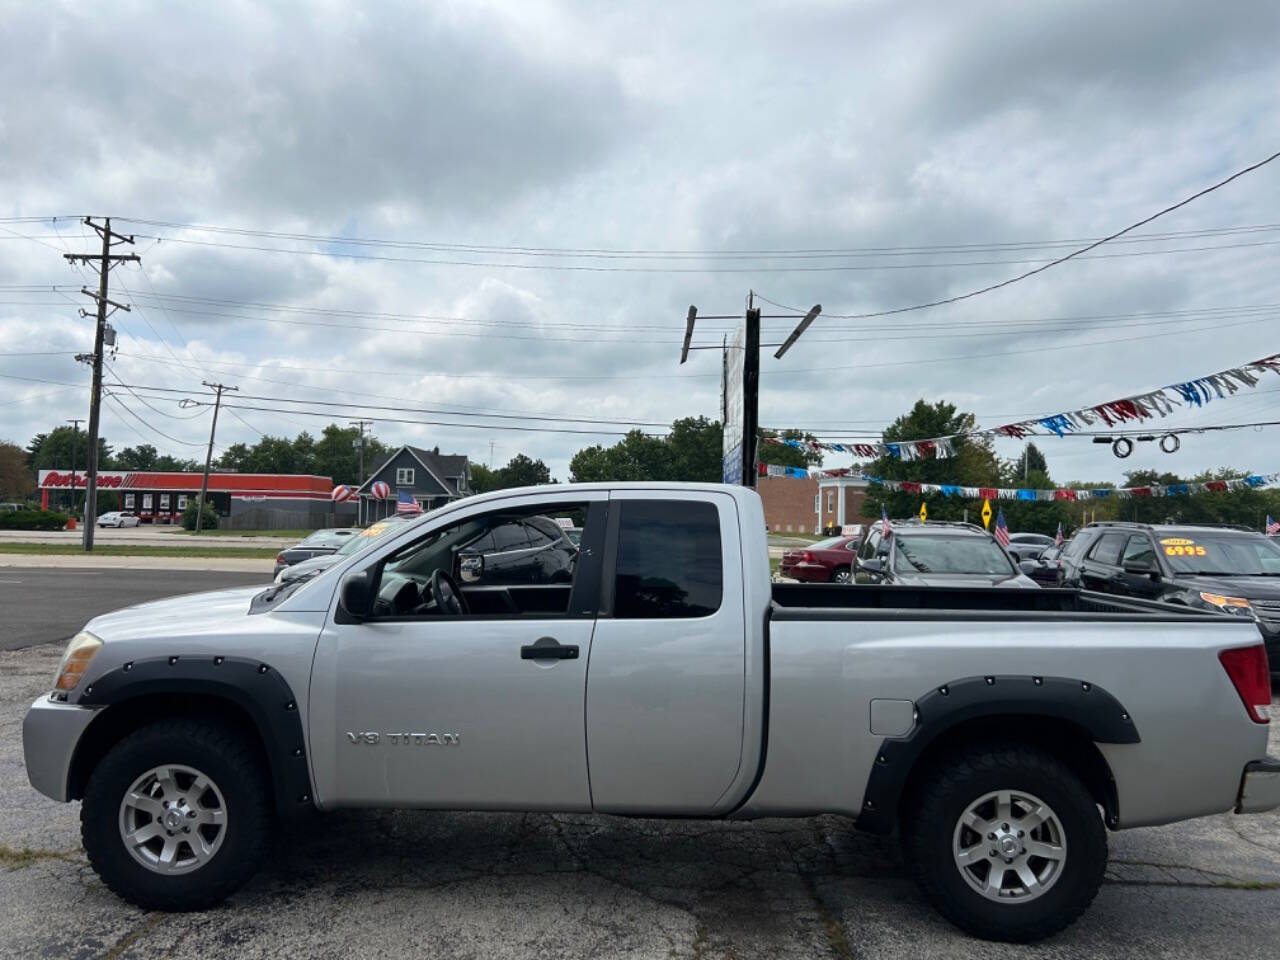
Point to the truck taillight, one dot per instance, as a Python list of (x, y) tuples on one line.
[(1249, 673), (280, 559)]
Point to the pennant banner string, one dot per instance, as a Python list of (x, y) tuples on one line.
[(1115, 413)]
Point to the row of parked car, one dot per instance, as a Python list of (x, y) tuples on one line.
[(1232, 570)]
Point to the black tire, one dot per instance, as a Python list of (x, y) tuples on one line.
[(230, 763), (930, 822), (836, 575)]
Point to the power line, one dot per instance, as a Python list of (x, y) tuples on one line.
[(1052, 263), (441, 423), (844, 268), (153, 429), (437, 411), (636, 253)]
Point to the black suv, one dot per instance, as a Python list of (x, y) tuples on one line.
[(1231, 569)]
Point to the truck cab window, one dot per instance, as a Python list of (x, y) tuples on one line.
[(503, 563), (669, 560)]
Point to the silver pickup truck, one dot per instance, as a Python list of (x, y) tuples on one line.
[(479, 660)]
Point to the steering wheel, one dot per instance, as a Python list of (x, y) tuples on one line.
[(448, 598)]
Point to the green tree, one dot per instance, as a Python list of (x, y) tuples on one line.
[(337, 454), (16, 480), (208, 517), (1030, 471), (54, 450), (522, 471), (636, 456), (62, 449), (696, 448), (973, 463), (483, 479), (167, 462), (141, 457), (234, 457)]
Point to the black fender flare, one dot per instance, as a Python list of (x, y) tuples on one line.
[(1080, 703), (257, 689)]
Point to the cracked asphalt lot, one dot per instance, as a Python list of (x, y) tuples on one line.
[(446, 885)]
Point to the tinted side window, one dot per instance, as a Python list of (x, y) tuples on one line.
[(1108, 548), (1139, 550), (510, 536), (669, 562)]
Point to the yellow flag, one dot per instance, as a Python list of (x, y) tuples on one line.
[(924, 512), (986, 514)]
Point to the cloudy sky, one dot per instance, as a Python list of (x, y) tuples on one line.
[(552, 184)]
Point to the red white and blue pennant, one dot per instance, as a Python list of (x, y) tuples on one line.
[(1135, 409)]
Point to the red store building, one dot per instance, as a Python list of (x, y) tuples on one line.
[(159, 497)]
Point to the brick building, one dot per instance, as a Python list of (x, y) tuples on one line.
[(810, 504), (788, 503)]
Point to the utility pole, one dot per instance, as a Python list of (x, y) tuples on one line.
[(75, 435), (741, 399), (208, 457), (105, 261), (360, 444), (491, 446), (751, 392)]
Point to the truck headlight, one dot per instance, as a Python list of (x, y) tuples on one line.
[(80, 653), (1238, 605)]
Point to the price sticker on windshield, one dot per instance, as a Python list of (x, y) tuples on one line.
[(1181, 547)]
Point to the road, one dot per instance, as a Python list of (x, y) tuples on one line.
[(355, 884), (148, 536), (43, 604)]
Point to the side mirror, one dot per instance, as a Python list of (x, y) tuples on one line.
[(872, 565), (1027, 566), (353, 601), (1142, 570), (470, 567)]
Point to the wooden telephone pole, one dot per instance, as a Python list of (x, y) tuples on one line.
[(102, 262), (208, 456)]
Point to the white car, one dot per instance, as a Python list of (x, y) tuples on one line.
[(119, 518)]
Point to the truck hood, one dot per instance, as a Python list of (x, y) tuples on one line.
[(1251, 588), (306, 569), (966, 580), (174, 615)]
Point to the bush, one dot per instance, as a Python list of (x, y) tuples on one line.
[(32, 520), (208, 519)]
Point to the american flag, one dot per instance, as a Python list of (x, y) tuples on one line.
[(1002, 530), (405, 502), (1057, 539), (885, 528), (1273, 528)]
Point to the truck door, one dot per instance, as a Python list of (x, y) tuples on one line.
[(476, 709), (665, 686)]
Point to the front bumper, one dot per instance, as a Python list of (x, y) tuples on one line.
[(50, 732), (1259, 787)]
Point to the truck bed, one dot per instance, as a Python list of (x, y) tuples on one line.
[(822, 601)]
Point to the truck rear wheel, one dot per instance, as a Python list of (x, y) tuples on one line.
[(1006, 842), (177, 815)]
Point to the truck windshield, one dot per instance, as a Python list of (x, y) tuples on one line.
[(1221, 553), (943, 554)]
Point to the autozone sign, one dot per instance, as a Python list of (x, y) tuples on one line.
[(64, 478)]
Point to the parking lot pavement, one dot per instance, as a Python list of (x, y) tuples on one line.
[(360, 884), (51, 602)]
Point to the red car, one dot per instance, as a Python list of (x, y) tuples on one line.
[(824, 561)]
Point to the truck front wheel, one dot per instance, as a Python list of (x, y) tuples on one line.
[(177, 815), (1006, 842)]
